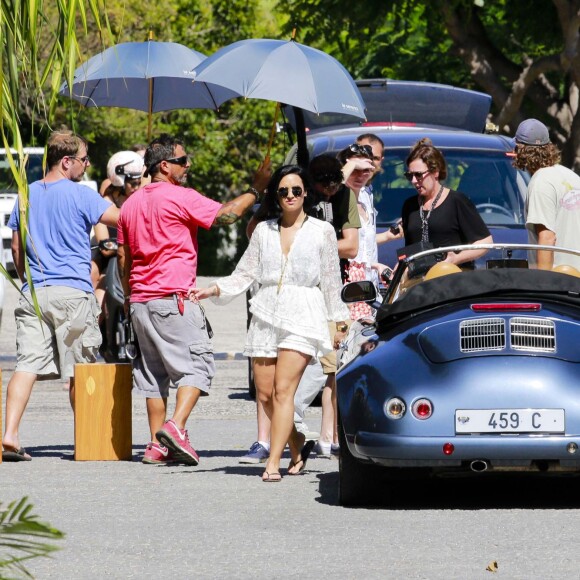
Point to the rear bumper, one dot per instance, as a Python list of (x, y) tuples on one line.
[(514, 451)]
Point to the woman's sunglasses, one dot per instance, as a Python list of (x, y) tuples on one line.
[(418, 175), (296, 191)]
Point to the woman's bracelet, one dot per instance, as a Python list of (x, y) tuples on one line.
[(254, 192)]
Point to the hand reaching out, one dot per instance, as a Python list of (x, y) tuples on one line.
[(197, 294)]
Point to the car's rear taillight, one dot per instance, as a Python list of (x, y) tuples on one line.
[(507, 306), (422, 409), (395, 408)]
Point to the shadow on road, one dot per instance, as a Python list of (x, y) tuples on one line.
[(480, 491)]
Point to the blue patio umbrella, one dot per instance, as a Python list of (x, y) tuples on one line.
[(147, 76), (285, 72)]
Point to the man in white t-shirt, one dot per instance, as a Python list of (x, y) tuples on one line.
[(553, 203)]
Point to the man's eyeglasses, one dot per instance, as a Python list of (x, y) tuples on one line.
[(86, 159), (183, 160), (296, 191), (418, 175)]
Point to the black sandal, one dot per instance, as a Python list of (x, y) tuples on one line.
[(304, 454), (273, 477)]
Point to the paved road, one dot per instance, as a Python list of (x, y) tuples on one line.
[(129, 520)]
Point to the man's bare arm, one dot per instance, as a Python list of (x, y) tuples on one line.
[(546, 237), (124, 263), (233, 210), (348, 244), (111, 216), (18, 255)]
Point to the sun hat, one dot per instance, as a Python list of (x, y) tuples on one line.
[(532, 132)]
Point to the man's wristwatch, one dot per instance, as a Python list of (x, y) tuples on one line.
[(341, 327)]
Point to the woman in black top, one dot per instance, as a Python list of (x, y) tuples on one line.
[(438, 214)]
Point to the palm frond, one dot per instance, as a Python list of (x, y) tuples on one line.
[(22, 537)]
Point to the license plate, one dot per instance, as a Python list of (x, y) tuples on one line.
[(509, 421)]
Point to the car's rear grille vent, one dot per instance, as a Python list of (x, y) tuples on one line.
[(533, 334), (482, 334)]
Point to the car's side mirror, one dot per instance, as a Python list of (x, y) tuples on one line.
[(363, 291)]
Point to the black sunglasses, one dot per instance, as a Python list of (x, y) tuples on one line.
[(418, 175), (296, 191), (178, 160), (365, 150)]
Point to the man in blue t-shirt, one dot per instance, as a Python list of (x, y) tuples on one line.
[(61, 213)]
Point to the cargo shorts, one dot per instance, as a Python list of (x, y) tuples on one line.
[(67, 334), (176, 350)]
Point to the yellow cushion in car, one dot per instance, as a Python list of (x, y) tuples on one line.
[(441, 269), (565, 269)]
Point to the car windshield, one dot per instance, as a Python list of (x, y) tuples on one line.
[(33, 171), (487, 178)]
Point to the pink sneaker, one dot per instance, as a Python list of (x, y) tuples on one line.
[(157, 454), (177, 441)]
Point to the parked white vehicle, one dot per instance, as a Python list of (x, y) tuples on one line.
[(9, 193)]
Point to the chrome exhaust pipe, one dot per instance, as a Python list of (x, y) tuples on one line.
[(479, 465)]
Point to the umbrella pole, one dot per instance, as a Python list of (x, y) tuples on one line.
[(272, 133), (302, 155), (150, 117)]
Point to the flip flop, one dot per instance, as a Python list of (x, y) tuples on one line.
[(273, 477), (15, 455), (304, 455)]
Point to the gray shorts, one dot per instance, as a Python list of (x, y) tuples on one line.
[(68, 332), (175, 350)]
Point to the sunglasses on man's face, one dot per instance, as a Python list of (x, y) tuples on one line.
[(284, 191), (183, 160), (418, 175)]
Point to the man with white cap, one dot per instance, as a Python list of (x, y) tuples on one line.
[(553, 203)]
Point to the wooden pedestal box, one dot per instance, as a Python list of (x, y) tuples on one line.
[(103, 418)]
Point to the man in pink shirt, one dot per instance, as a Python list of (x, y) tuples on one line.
[(157, 259)]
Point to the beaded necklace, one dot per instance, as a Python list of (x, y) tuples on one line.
[(425, 218)]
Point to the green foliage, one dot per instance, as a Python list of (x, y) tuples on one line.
[(227, 145), (23, 537)]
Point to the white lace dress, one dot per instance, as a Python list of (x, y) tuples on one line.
[(298, 295)]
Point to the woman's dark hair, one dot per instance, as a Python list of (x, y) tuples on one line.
[(324, 168), (270, 206), (430, 155)]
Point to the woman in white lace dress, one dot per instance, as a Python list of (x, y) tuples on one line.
[(294, 258)]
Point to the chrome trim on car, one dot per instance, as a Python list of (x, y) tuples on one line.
[(526, 333), (482, 334), (538, 334)]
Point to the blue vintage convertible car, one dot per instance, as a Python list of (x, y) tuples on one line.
[(463, 371)]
